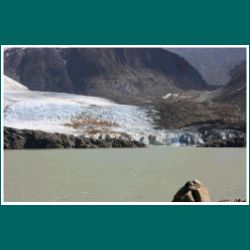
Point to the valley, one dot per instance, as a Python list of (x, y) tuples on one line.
[(151, 96)]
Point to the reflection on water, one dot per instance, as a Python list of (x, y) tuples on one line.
[(149, 174)]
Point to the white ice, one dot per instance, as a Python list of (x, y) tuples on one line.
[(50, 112)]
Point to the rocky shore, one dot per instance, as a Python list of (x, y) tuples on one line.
[(34, 139), (210, 137), (223, 136), (230, 143)]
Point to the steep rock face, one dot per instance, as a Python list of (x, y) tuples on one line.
[(234, 92), (214, 64), (109, 72), (38, 69), (35, 139)]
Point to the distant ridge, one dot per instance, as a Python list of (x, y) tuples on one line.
[(234, 92), (214, 64)]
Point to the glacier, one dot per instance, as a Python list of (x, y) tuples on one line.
[(91, 116)]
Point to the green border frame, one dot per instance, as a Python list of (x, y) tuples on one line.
[(125, 227)]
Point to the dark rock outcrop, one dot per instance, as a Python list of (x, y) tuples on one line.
[(116, 73), (223, 136), (234, 143), (235, 200), (34, 139)]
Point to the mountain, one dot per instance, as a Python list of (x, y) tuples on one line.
[(115, 73), (214, 64), (234, 92), (167, 101)]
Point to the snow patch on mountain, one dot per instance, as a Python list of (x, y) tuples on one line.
[(11, 85)]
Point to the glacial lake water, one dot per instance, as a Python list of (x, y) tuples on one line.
[(151, 174)]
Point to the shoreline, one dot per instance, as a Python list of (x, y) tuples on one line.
[(37, 139)]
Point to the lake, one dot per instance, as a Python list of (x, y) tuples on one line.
[(152, 174)]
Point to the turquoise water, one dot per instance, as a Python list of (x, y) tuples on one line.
[(106, 175)]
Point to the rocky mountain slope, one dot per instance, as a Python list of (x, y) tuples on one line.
[(214, 64), (234, 92), (116, 73)]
